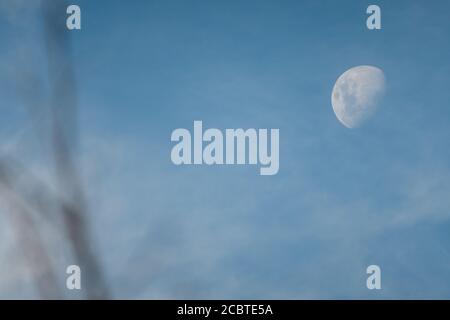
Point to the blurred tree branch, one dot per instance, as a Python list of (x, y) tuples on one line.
[(39, 200)]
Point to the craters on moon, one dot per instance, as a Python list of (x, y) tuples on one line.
[(357, 94)]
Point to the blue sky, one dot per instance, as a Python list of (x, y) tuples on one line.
[(342, 200)]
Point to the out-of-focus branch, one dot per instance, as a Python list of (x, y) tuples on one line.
[(37, 200), (29, 238), (63, 107)]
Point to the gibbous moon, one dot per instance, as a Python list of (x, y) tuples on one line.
[(356, 95)]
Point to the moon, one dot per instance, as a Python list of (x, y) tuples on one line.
[(356, 95)]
